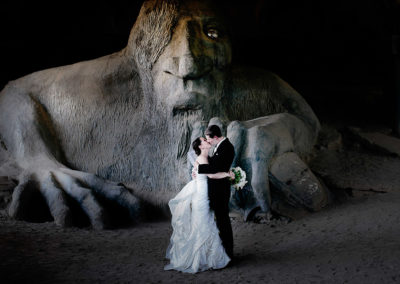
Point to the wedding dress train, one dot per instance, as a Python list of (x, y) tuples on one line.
[(195, 244)]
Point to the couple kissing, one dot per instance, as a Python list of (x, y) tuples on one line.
[(202, 236)]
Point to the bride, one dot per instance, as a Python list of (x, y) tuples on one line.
[(195, 244)]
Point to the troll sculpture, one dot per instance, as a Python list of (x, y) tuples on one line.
[(119, 127)]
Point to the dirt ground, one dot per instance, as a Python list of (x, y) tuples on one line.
[(353, 240)]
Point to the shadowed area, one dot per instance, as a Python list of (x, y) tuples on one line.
[(355, 242)]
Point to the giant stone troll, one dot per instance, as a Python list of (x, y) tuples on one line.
[(119, 127)]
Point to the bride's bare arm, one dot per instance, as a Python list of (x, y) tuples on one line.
[(219, 175)]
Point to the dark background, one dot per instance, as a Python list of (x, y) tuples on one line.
[(337, 54)]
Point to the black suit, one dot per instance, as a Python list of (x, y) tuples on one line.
[(219, 191)]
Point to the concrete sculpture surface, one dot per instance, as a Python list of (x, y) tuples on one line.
[(119, 127)]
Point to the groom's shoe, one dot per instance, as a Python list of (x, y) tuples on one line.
[(229, 253), (231, 263)]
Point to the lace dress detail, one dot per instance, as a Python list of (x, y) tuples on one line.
[(195, 244)]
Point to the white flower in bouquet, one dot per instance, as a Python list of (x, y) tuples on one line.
[(240, 178)]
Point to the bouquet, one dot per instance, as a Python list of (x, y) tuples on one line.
[(240, 178)]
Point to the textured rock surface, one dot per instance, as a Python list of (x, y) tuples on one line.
[(378, 141), (356, 166), (296, 175), (117, 129)]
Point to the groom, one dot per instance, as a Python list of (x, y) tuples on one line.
[(219, 189)]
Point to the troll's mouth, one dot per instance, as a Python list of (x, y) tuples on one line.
[(182, 109)]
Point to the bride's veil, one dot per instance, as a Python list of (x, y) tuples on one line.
[(191, 158), (197, 131)]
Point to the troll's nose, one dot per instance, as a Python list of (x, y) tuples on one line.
[(185, 59), (187, 66)]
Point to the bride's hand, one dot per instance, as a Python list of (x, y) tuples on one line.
[(231, 175), (194, 172)]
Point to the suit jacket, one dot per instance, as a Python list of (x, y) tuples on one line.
[(221, 161)]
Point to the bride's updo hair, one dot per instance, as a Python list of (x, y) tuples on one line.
[(196, 146)]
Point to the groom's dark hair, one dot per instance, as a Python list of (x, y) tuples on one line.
[(213, 130)]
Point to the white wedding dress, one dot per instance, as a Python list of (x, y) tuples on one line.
[(195, 244)]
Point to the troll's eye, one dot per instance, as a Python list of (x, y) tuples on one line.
[(212, 33)]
